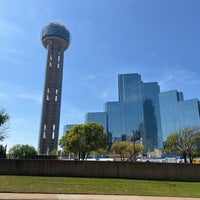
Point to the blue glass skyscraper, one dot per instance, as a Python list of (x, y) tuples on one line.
[(141, 107), (177, 113), (98, 117), (136, 110)]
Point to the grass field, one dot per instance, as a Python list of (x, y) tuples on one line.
[(66, 185)]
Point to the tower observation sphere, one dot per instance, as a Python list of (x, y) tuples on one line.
[(55, 32), (56, 39)]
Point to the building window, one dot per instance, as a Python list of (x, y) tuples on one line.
[(47, 97), (53, 131), (48, 92), (44, 131), (56, 95), (58, 58), (58, 65)]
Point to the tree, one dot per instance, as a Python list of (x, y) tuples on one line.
[(99, 152), (183, 143), (4, 117), (2, 151), (82, 139), (134, 150), (121, 148), (22, 151), (126, 149), (54, 152)]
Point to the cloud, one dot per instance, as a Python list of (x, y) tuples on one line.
[(109, 93), (168, 77), (10, 55), (171, 77), (20, 129), (7, 50), (4, 95), (91, 81), (7, 28), (13, 91), (103, 85), (71, 114), (86, 29), (105, 94), (180, 79), (31, 96), (75, 116), (35, 10), (96, 76), (94, 79)]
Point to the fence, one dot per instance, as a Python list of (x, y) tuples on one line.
[(104, 169)]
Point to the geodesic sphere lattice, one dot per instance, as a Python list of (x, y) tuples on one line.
[(55, 31)]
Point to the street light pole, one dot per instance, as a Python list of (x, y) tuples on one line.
[(136, 136)]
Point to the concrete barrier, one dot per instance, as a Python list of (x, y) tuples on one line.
[(103, 169)]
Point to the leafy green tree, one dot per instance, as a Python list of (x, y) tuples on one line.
[(126, 149), (54, 152), (22, 151), (82, 139), (99, 152), (183, 143), (4, 117)]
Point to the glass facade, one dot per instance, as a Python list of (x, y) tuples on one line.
[(136, 110), (67, 128), (98, 117), (115, 128), (177, 113), (143, 109)]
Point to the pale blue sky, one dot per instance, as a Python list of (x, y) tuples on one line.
[(159, 39)]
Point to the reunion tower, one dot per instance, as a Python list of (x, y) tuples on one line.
[(56, 39)]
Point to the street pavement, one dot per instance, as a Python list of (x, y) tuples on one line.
[(84, 197)]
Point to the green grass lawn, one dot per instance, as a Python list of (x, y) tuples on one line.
[(68, 185)]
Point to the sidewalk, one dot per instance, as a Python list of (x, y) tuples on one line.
[(84, 197)]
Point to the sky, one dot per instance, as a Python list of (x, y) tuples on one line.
[(159, 39)]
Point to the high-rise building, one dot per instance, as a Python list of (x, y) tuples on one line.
[(56, 39), (98, 117), (142, 108), (136, 111), (177, 113), (67, 128)]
